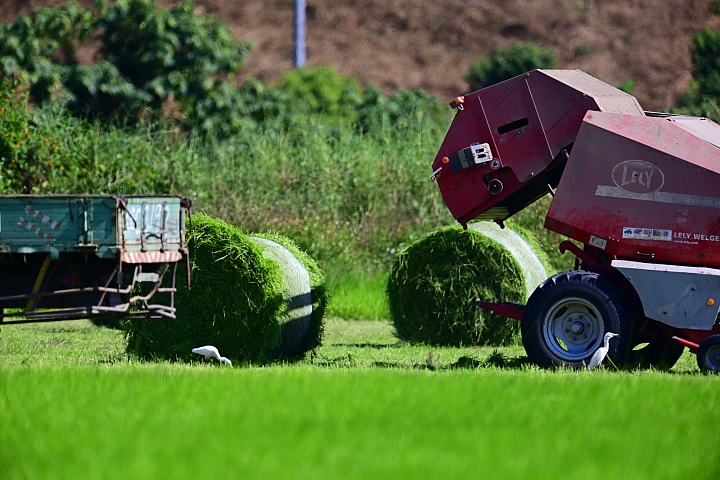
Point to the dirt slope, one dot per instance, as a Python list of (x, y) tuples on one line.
[(429, 44)]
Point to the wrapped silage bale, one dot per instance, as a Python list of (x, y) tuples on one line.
[(254, 298), (304, 293), (435, 283)]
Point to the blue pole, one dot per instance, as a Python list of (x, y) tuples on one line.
[(299, 33)]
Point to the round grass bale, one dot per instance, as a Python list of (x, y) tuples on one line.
[(435, 282), (236, 302)]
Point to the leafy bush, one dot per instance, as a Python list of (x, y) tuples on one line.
[(402, 110), (706, 62), (627, 86), (701, 98), (46, 150), (38, 46), (169, 51), (714, 7), (15, 134), (507, 63), (322, 91), (147, 56), (151, 58)]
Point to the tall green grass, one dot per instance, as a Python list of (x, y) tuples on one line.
[(350, 199), (163, 422), (359, 295), (345, 197)]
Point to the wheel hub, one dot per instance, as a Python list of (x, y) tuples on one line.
[(577, 327), (573, 328), (713, 357)]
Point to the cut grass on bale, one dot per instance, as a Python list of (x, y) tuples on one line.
[(255, 298), (234, 303), (435, 282)]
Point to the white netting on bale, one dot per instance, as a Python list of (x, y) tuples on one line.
[(532, 267), (295, 321)]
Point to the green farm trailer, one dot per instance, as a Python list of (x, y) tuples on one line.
[(65, 257)]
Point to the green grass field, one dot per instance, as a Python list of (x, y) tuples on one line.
[(73, 405), (359, 295)]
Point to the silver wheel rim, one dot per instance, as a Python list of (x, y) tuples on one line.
[(712, 358), (573, 329)]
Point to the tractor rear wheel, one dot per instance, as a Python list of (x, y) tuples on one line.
[(567, 317), (708, 355)]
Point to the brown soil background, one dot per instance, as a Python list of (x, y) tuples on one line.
[(430, 44)]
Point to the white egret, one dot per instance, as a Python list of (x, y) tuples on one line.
[(209, 351), (601, 352)]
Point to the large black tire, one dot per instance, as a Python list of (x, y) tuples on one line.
[(653, 348), (708, 355), (567, 317), (657, 354)]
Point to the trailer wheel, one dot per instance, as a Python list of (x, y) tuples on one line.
[(708, 355), (657, 354), (567, 317)]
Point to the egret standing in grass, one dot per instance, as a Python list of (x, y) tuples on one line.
[(601, 352), (209, 351)]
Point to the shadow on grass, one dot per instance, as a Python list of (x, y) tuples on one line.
[(376, 346), (494, 360)]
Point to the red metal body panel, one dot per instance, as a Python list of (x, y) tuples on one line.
[(527, 121), (645, 187)]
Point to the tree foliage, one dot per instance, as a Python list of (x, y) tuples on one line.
[(150, 58), (706, 62), (147, 55), (39, 46), (703, 95), (507, 63)]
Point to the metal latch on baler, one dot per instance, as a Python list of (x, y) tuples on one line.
[(475, 154)]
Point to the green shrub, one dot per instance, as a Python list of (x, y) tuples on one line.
[(714, 7), (627, 86), (702, 97), (507, 63), (147, 56), (405, 109), (17, 168), (46, 150), (321, 91), (169, 51), (99, 91), (581, 50), (706, 62), (151, 58), (37, 47)]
